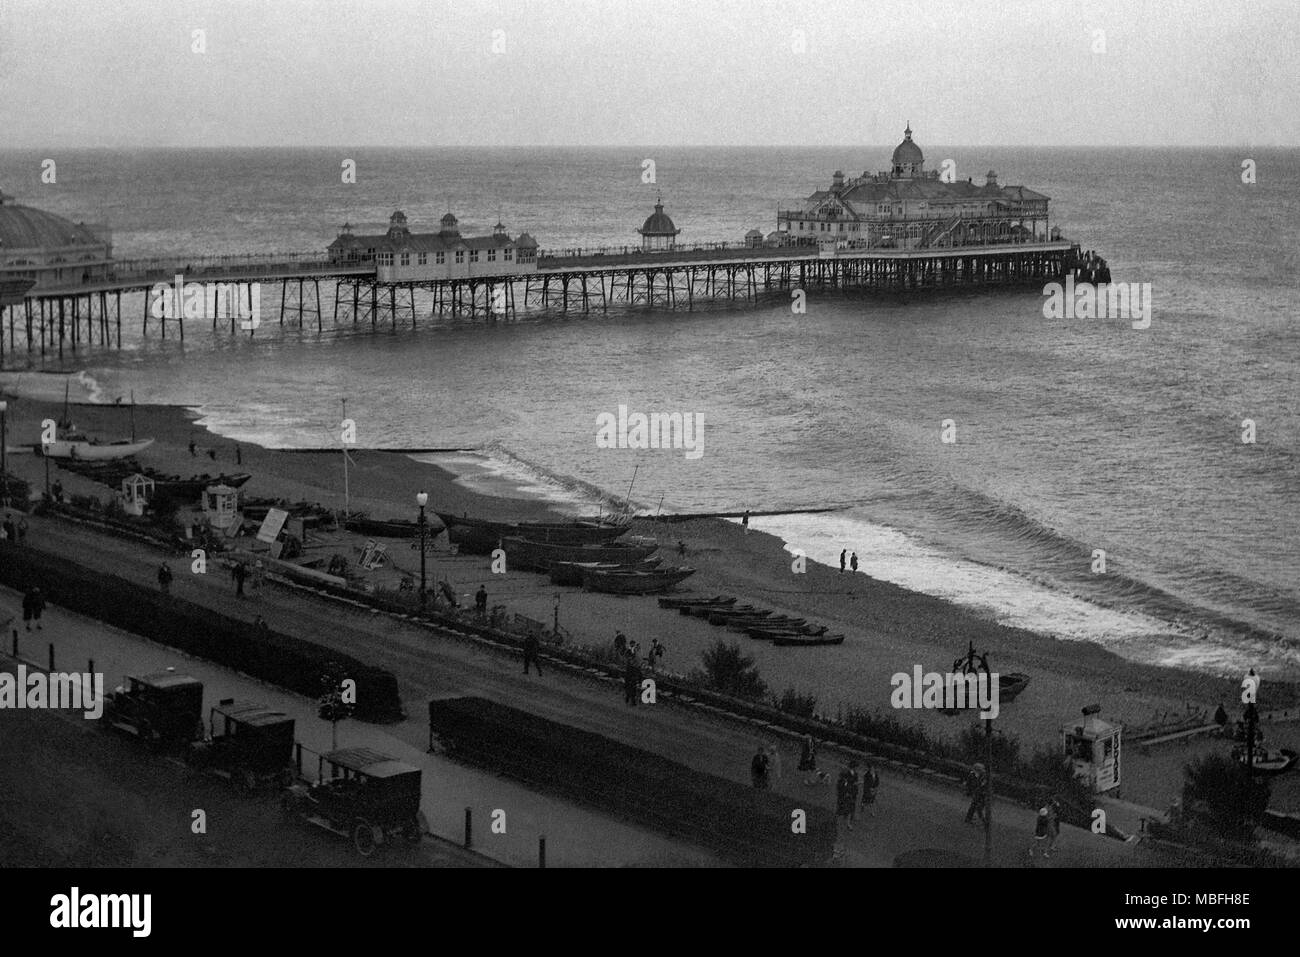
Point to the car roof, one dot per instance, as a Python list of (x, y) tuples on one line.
[(167, 679), (255, 715), (369, 762)]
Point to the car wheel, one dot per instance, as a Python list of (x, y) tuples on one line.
[(363, 838)]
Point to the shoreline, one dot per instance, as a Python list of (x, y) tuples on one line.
[(889, 628)]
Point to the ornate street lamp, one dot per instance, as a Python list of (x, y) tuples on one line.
[(422, 499)]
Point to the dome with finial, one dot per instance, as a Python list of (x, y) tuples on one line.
[(908, 157), (23, 227), (449, 225), (659, 223)]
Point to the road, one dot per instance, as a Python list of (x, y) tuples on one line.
[(912, 812)]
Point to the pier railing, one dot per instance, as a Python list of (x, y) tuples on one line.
[(242, 264)]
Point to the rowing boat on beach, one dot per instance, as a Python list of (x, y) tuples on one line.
[(773, 623), (635, 582), (768, 632), (570, 573), (717, 601), (478, 536), (806, 641)]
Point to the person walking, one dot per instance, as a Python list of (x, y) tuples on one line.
[(33, 605), (870, 785), (165, 578), (853, 563), (656, 652), (22, 530), (194, 450), (774, 768), (11, 530), (531, 647), (977, 788), (1042, 834), (259, 574), (758, 769), (846, 793), (620, 644), (240, 573), (480, 605), (843, 555), (744, 520), (808, 757), (631, 681), (239, 456), (57, 490)]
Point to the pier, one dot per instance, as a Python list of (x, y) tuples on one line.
[(54, 320)]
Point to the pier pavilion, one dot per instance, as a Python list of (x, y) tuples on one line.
[(50, 250), (910, 207), (400, 255)]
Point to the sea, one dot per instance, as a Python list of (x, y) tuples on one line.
[(1072, 438)]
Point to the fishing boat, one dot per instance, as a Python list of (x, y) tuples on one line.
[(540, 556), (478, 536), (570, 573), (386, 528), (717, 601), (806, 641), (635, 583), (78, 447), (174, 487), (1265, 760), (703, 611), (69, 443)]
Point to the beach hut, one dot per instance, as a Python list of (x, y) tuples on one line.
[(137, 489), (1093, 746), (221, 507)]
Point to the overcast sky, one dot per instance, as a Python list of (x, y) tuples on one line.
[(662, 72)]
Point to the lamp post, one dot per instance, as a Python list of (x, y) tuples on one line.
[(422, 499), (4, 459)]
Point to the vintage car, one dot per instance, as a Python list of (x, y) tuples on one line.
[(248, 743), (163, 708), (362, 794)]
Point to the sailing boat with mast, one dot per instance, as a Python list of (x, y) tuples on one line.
[(69, 443)]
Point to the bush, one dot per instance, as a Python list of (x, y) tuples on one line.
[(1218, 792), (972, 746), (800, 705), (887, 727), (730, 671)]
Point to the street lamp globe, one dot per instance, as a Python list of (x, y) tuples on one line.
[(422, 499)]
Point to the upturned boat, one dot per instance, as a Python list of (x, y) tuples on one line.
[(478, 536), (768, 632), (541, 556), (386, 528), (636, 582)]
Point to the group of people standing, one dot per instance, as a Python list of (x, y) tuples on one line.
[(850, 787), (12, 531), (852, 562)]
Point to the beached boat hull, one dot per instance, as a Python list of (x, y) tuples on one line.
[(87, 451), (806, 641), (570, 573), (1267, 761), (717, 601), (479, 537), (635, 583), (390, 528), (541, 556)]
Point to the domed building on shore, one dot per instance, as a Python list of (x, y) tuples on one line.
[(910, 207), (51, 250)]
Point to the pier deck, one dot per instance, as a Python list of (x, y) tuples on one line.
[(89, 315)]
